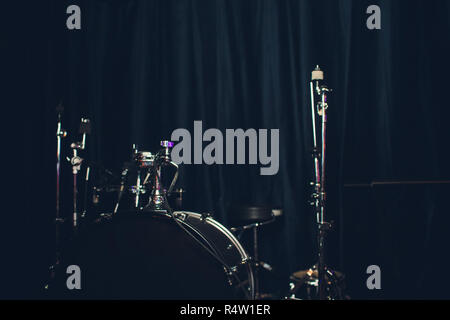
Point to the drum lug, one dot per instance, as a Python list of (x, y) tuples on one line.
[(204, 216), (230, 272), (179, 215)]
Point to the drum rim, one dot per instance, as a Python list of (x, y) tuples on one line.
[(218, 226), (144, 155)]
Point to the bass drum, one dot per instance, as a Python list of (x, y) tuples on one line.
[(145, 255)]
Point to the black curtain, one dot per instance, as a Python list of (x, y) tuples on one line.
[(140, 69)]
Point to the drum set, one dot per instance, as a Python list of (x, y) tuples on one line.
[(134, 241), (138, 246)]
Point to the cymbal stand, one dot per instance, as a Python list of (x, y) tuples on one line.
[(86, 187), (76, 162), (138, 181), (60, 134), (319, 194)]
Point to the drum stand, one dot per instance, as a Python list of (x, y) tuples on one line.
[(157, 202), (319, 194)]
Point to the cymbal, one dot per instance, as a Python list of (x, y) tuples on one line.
[(313, 274)]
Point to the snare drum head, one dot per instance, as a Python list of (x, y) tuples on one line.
[(149, 256)]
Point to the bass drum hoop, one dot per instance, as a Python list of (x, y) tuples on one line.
[(245, 259)]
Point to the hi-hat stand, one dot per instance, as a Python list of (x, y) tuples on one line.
[(319, 194)]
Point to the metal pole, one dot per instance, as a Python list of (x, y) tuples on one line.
[(75, 168), (256, 258), (321, 241), (60, 133)]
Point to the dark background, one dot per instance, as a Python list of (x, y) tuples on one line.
[(140, 69)]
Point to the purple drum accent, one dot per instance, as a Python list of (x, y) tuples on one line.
[(167, 144)]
